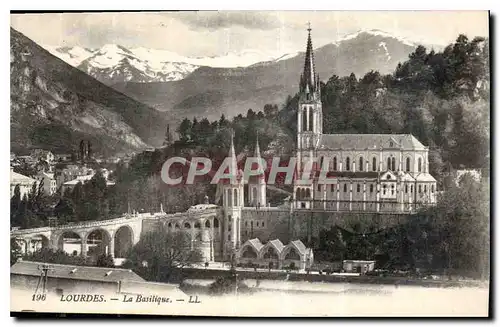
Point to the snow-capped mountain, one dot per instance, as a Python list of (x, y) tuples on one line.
[(113, 63)]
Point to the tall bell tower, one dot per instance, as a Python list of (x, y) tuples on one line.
[(309, 112), (233, 203)]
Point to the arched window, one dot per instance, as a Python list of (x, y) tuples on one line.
[(302, 194), (308, 193), (187, 225), (332, 187), (297, 194), (420, 189), (216, 223), (229, 197), (304, 119), (319, 187), (388, 163), (262, 224), (345, 187), (251, 224), (321, 162), (358, 188), (392, 189), (371, 188), (257, 224), (385, 189), (419, 165), (360, 164), (348, 164), (374, 164), (311, 118), (235, 197), (408, 164), (335, 163), (406, 188), (393, 164), (411, 188), (425, 188), (432, 188), (246, 223)]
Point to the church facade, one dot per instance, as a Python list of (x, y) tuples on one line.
[(366, 172)]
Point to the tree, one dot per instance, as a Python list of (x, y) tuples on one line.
[(184, 130), (15, 201), (161, 253), (15, 251), (104, 260)]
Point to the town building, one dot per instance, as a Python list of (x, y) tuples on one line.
[(45, 155), (25, 183), (48, 182)]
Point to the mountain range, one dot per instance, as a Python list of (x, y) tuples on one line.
[(123, 98), (212, 91), (54, 106)]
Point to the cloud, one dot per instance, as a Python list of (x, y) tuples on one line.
[(217, 20)]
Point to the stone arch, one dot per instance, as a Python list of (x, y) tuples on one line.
[(270, 253), (348, 164), (69, 242), (361, 163), (21, 243), (308, 193), (38, 242), (187, 225), (197, 224), (99, 242), (291, 253), (207, 223), (216, 223), (248, 252), (123, 241), (169, 225), (374, 163), (177, 226)]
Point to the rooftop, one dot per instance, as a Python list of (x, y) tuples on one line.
[(369, 141)]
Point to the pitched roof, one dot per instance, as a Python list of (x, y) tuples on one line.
[(424, 177), (277, 244), (368, 141), (16, 178), (31, 268), (256, 243), (299, 245)]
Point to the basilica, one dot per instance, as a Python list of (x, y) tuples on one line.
[(367, 173)]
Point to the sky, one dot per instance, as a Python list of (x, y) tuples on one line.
[(212, 33)]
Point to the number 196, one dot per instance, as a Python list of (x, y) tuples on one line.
[(38, 297)]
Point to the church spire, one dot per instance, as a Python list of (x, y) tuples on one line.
[(232, 155), (257, 148), (309, 78)]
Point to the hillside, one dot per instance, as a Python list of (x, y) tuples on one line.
[(209, 92), (54, 105)]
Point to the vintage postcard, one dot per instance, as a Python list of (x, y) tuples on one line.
[(250, 163)]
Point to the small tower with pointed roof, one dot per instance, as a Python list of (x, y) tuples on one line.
[(257, 184), (232, 199)]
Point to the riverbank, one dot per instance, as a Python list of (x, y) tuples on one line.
[(213, 274)]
